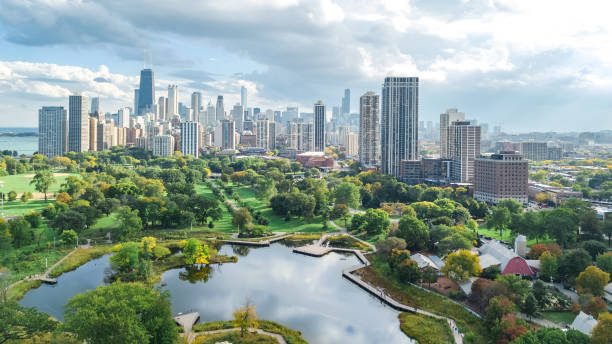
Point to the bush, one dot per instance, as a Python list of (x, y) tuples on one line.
[(34, 219)]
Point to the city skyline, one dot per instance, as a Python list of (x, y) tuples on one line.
[(504, 78)]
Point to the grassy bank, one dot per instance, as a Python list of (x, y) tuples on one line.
[(378, 274), (19, 290), (234, 338), (80, 257), (345, 241), (290, 336), (424, 329), (30, 260), (559, 317)]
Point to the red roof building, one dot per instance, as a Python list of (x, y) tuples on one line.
[(518, 266)]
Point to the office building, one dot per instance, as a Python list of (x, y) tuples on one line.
[(266, 134), (220, 111), (319, 126), (190, 138), (464, 147), (346, 102), (555, 153), (446, 118), (501, 176), (507, 146), (237, 114), (136, 99), (162, 145), (162, 108), (52, 131), (368, 129), (146, 93), (93, 134), (399, 123), (123, 118), (211, 115), (78, 124), (351, 144), (534, 151), (411, 172), (196, 102), (225, 136), (243, 97), (173, 102), (95, 105)]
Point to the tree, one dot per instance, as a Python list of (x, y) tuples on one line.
[(340, 211), (121, 313), (385, 246), (195, 253), (43, 179), (429, 275), (561, 225), (160, 252), (607, 229), (604, 262), (594, 248), (499, 218), (414, 232), (347, 193), (241, 219), (131, 224), (551, 335), (602, 332), (33, 218), (461, 265), (18, 323), (548, 266), (518, 287), (376, 221), (12, 196), (5, 282), (572, 264), (126, 257), (20, 231), (595, 306), (26, 196), (531, 305), (408, 271), (69, 237), (513, 206), (245, 317), (498, 307), (70, 219), (592, 281)]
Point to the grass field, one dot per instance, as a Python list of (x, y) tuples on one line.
[(426, 330), (18, 207), (508, 237), (21, 182), (559, 317), (225, 223)]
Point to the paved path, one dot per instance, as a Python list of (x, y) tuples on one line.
[(263, 242), (276, 336), (539, 321), (187, 321), (45, 275)]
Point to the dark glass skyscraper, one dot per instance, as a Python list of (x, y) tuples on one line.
[(319, 126), (146, 93)]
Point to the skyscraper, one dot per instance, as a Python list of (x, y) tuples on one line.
[(146, 96), (446, 118), (225, 134), (78, 122), (220, 110), (93, 134), (196, 101), (52, 131), (190, 138), (368, 128), (266, 134), (136, 98), (237, 114), (162, 108), (123, 118), (211, 114), (319, 126), (346, 102), (95, 104), (243, 97), (172, 109), (399, 122), (464, 147)]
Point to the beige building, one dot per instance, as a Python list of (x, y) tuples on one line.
[(368, 129)]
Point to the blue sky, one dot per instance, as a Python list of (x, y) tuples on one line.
[(525, 65)]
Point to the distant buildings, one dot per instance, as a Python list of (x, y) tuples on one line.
[(266, 134), (319, 126), (301, 136), (95, 105), (196, 102), (52, 131), (399, 122), (351, 144), (162, 145), (172, 109), (225, 134), (190, 138), (501, 176), (220, 111), (464, 147), (534, 151), (368, 128), (346, 102), (146, 92), (243, 97), (78, 123), (446, 118)]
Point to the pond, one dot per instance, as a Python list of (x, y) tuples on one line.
[(301, 292)]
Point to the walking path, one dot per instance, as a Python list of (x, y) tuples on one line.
[(538, 321), (263, 242), (276, 336), (187, 321), (45, 275)]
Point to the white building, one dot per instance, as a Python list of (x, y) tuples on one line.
[(172, 109), (123, 117), (162, 145), (446, 118), (190, 138)]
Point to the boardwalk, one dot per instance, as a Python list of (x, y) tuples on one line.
[(187, 321), (263, 242)]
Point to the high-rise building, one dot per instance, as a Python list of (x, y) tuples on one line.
[(146, 96), (266, 134), (534, 151), (501, 176), (399, 122), (123, 118), (172, 109), (190, 138), (196, 102), (52, 131), (446, 118), (93, 134), (319, 126), (368, 128), (162, 145), (136, 99), (346, 102), (351, 144), (211, 115), (243, 97), (95, 104), (162, 108), (237, 115), (220, 110), (464, 147), (78, 123), (225, 136)]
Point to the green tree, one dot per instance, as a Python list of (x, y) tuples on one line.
[(121, 313), (561, 225), (604, 262), (461, 265), (43, 179), (26, 196), (69, 237), (340, 211), (592, 281), (33, 218), (531, 305), (245, 317), (594, 248), (195, 253), (160, 252), (595, 306), (70, 219), (548, 266), (126, 258), (499, 219), (130, 224), (429, 275), (347, 193), (20, 231), (241, 219), (602, 332), (18, 323), (498, 307), (12, 196), (518, 287), (385, 246), (550, 335), (414, 232), (376, 221), (513, 206), (408, 271)]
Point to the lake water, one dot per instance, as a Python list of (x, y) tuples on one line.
[(301, 292), (23, 145)]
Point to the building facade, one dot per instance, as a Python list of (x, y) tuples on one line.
[(162, 145), (146, 92), (78, 123), (346, 102), (220, 111), (399, 123), (225, 137), (196, 103), (464, 147), (52, 131), (534, 151), (173, 108), (319, 126), (368, 129), (190, 138), (501, 176), (446, 118)]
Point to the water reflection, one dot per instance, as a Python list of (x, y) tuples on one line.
[(240, 250), (194, 274)]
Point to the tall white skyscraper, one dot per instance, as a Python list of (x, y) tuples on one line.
[(220, 110), (446, 118), (52, 131), (190, 138), (399, 123), (464, 148), (78, 123), (225, 134), (196, 102), (172, 101), (123, 118), (211, 115), (243, 97), (368, 128), (319, 126), (95, 104)]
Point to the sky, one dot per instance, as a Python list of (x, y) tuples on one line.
[(524, 65)]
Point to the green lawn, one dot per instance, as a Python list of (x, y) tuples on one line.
[(426, 330), (21, 182), (225, 223), (559, 317), (18, 207), (508, 237)]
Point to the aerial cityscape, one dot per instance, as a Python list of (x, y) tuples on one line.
[(305, 172)]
